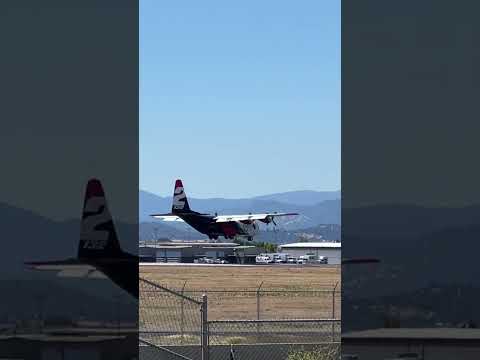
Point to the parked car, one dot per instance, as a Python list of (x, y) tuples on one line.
[(220, 261), (205, 260), (322, 260), (291, 260), (280, 258)]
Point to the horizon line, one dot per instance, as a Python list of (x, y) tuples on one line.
[(244, 197)]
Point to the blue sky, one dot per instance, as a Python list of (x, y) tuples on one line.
[(239, 99)]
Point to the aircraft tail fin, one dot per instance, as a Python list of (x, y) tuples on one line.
[(98, 238), (180, 202)]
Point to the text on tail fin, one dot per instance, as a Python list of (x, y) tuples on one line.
[(97, 232)]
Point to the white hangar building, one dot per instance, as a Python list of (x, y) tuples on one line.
[(332, 250)]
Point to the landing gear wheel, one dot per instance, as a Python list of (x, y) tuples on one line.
[(250, 238)]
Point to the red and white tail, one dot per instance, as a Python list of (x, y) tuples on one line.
[(98, 237), (180, 202)]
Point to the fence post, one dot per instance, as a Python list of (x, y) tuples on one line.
[(258, 308), (204, 311), (333, 311), (333, 301), (258, 301), (182, 319)]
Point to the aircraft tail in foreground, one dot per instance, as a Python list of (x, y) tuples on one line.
[(98, 238), (99, 252)]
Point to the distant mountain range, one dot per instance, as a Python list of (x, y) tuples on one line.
[(279, 235), (427, 255), (314, 207), (302, 197), (417, 246), (27, 236)]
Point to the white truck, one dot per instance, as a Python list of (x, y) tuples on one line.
[(280, 258), (291, 260), (307, 259), (264, 259)]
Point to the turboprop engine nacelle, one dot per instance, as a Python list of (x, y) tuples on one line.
[(248, 228)]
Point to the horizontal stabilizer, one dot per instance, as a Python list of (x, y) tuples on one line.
[(68, 269), (167, 217), (74, 273)]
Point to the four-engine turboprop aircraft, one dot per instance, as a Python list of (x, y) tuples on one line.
[(228, 226), (99, 253)]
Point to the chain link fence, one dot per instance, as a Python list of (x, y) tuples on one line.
[(269, 339), (150, 351), (174, 323), (270, 303), (171, 322)]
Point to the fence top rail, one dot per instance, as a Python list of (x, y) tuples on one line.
[(173, 292), (273, 321), (320, 343), (255, 291)]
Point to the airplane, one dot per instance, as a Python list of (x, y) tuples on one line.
[(99, 252), (228, 226)]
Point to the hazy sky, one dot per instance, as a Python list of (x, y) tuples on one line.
[(239, 99)]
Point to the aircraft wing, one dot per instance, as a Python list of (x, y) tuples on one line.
[(167, 217), (265, 217), (67, 268)]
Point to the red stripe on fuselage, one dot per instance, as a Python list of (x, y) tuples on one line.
[(229, 228)]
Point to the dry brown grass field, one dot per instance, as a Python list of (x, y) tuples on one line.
[(298, 301), (243, 277)]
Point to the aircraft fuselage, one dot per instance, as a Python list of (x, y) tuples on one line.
[(207, 225)]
